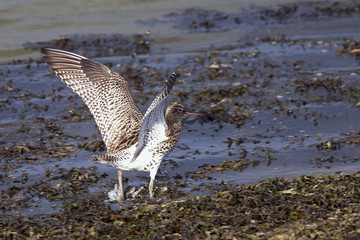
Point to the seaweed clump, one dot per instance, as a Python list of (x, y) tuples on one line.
[(321, 207)]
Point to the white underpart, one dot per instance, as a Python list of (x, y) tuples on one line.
[(148, 159)]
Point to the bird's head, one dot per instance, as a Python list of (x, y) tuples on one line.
[(175, 112)]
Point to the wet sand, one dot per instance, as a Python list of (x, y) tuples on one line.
[(284, 104)]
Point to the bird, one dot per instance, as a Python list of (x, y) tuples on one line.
[(133, 140)]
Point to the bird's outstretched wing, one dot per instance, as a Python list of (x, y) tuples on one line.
[(104, 91), (154, 116)]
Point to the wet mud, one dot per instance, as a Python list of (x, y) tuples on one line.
[(277, 104)]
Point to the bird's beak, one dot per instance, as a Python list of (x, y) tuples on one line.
[(194, 114), (355, 51)]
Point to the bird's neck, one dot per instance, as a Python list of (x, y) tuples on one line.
[(174, 126)]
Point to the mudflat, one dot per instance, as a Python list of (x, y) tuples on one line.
[(276, 158)]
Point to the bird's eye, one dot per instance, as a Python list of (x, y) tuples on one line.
[(180, 110)]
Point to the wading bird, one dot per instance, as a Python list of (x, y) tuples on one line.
[(134, 141)]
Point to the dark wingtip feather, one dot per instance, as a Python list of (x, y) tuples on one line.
[(43, 50), (171, 81), (174, 75)]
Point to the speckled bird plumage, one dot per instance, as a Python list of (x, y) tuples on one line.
[(104, 91), (134, 141), (159, 143)]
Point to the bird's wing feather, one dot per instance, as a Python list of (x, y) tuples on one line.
[(154, 116), (104, 91)]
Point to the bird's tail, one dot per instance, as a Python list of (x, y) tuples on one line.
[(103, 158)]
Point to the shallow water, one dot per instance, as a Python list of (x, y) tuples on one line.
[(292, 129), (36, 20)]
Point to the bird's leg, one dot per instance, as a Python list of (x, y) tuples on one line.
[(121, 192), (151, 187), (152, 179)]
